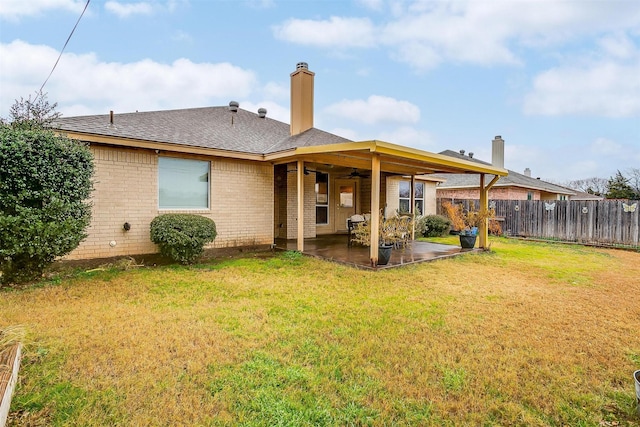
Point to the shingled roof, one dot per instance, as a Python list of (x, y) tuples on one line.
[(514, 179), (208, 127)]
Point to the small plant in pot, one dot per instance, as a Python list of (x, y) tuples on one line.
[(467, 222), (388, 236)]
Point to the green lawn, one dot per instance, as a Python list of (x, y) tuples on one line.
[(528, 334)]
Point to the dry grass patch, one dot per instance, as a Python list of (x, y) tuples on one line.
[(531, 334)]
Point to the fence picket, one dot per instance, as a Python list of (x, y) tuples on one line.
[(603, 222)]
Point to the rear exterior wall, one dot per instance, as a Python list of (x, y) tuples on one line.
[(126, 190)]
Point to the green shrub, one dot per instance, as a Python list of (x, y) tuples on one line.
[(45, 184), (433, 225), (182, 237)]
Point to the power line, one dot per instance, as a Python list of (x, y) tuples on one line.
[(63, 47)]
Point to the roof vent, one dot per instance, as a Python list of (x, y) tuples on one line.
[(471, 154), (233, 106), (462, 152), (262, 112), (302, 66)]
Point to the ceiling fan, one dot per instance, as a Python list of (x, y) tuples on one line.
[(355, 174)]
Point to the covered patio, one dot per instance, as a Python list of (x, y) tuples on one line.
[(334, 247), (381, 160)]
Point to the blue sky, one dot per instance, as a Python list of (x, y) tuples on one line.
[(558, 80)]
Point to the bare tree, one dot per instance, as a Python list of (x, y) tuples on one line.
[(33, 113), (634, 179), (594, 185)]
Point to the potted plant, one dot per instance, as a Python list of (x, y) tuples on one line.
[(466, 222), (393, 231)]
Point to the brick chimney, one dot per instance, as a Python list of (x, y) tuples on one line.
[(497, 152), (301, 98)]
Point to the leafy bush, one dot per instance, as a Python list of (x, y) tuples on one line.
[(45, 184), (182, 237), (433, 225)]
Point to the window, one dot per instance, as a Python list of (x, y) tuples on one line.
[(322, 198), (182, 183), (529, 195), (405, 197)]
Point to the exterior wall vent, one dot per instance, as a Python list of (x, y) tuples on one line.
[(262, 112), (233, 106)]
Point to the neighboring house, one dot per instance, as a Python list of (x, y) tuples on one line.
[(259, 179), (584, 196), (515, 186)]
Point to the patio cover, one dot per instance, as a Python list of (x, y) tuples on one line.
[(380, 156)]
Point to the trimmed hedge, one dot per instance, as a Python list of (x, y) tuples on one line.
[(433, 225), (182, 237)]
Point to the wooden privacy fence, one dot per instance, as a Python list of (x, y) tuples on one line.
[(602, 222)]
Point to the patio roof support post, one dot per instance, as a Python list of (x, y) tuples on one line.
[(375, 208), (412, 208), (484, 205), (300, 188)]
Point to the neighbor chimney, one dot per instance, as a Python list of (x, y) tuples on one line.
[(301, 98), (497, 152), (527, 172)]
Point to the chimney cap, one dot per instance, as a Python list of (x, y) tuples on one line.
[(498, 137), (233, 106), (262, 112), (302, 66)]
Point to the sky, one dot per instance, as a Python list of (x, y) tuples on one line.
[(558, 80)]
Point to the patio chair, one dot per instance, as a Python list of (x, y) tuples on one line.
[(352, 223)]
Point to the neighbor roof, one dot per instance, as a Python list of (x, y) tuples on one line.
[(514, 179)]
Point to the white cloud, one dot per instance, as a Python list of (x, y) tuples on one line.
[(604, 146), (424, 34), (376, 5), (336, 32), (606, 86), (375, 109), (274, 111), (273, 90), (15, 9), (102, 86), (125, 10), (409, 136)]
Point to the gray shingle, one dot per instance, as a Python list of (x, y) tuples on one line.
[(513, 179), (208, 127)]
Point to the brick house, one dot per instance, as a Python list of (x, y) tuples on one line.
[(515, 186), (259, 179)]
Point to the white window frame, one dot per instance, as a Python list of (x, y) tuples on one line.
[(408, 199), (185, 207), (323, 205)]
